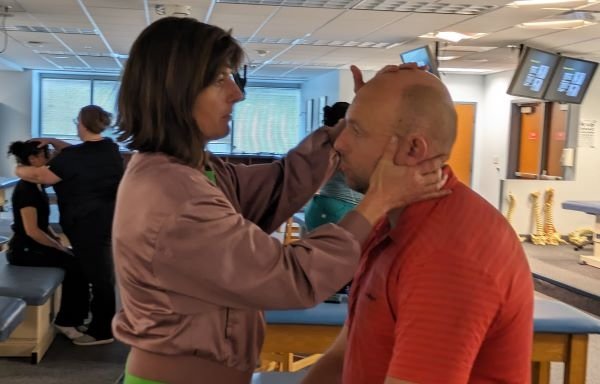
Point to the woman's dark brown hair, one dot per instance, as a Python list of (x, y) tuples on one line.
[(170, 63), (94, 118)]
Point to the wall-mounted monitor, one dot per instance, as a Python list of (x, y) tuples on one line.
[(570, 80), (423, 57), (533, 73)]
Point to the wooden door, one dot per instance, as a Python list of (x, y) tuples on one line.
[(461, 159), (530, 148), (557, 137)]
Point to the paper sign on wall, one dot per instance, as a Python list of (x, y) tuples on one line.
[(587, 133)]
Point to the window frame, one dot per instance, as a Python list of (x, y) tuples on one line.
[(39, 76)]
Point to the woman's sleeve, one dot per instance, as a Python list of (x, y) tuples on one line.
[(269, 194), (210, 252), (61, 165)]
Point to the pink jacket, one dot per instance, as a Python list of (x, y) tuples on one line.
[(196, 264)]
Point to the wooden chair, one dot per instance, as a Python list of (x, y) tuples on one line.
[(292, 231)]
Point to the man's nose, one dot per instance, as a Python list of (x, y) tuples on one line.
[(340, 143)]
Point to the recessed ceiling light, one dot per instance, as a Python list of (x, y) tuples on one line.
[(60, 57)]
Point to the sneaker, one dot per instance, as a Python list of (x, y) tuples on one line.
[(86, 340), (70, 332)]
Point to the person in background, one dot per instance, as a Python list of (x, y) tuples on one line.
[(34, 244), (335, 198), (85, 177), (443, 292), (194, 259)]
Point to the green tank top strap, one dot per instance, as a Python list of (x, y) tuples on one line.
[(210, 174), (131, 379)]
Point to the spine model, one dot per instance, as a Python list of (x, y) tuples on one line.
[(552, 235), (538, 237), (512, 202)]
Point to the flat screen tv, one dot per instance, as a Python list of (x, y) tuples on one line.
[(423, 57), (533, 73), (570, 80)]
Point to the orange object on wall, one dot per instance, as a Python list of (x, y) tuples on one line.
[(530, 148), (556, 140)]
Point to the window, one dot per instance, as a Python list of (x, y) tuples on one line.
[(267, 121), (61, 98)]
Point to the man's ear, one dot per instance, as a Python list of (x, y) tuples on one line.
[(416, 149)]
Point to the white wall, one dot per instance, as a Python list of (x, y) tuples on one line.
[(586, 185), (15, 113), (493, 136), (347, 83), (324, 85)]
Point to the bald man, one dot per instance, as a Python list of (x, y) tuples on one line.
[(443, 293)]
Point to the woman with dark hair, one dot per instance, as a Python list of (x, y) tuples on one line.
[(335, 198), (85, 177), (34, 244), (193, 255)]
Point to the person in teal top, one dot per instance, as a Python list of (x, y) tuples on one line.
[(335, 198)]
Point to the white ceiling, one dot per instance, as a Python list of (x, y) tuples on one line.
[(301, 38)]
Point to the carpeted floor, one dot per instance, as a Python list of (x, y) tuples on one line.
[(66, 363)]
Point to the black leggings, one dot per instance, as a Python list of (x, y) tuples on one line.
[(91, 242), (74, 302)]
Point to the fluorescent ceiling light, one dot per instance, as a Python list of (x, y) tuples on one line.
[(446, 58), (569, 20), (454, 37), (394, 45), (527, 3), (556, 24)]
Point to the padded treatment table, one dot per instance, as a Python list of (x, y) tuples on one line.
[(5, 183), (12, 313), (592, 208), (561, 335), (39, 288)]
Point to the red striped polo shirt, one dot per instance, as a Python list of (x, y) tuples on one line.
[(446, 296)]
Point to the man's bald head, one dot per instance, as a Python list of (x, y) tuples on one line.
[(420, 102)]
